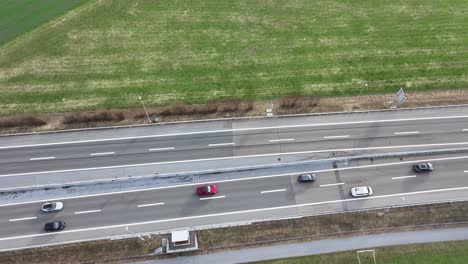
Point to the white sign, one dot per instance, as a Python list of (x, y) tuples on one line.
[(400, 96)]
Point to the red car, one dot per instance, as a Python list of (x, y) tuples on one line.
[(207, 190)]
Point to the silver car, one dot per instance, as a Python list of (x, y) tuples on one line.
[(361, 191), (52, 206)]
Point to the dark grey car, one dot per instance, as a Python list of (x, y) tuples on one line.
[(54, 226), (422, 167), (309, 177)]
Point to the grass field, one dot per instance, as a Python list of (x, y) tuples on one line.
[(20, 16), (106, 53), (432, 253)]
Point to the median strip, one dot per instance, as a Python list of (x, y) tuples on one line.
[(244, 179)]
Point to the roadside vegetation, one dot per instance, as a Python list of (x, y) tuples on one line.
[(455, 252), (105, 54)]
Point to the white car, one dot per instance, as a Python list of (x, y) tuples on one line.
[(361, 191), (52, 206)]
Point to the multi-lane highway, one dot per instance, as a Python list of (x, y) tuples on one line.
[(248, 199), (238, 200), (320, 136)]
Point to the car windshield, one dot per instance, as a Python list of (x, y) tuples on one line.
[(423, 166), (48, 206), (206, 189)]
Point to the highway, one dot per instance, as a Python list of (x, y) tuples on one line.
[(242, 200), (349, 134), (238, 200)]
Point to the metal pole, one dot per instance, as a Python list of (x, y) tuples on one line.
[(149, 119)]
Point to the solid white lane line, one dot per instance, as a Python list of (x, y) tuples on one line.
[(332, 184), (403, 177), (212, 198), (281, 140), (465, 129), (88, 212), (238, 157), (22, 219), (344, 136), (102, 153), (244, 179), (42, 158), (272, 191), (406, 133), (160, 149), (238, 130), (146, 205), (220, 144), (234, 213)]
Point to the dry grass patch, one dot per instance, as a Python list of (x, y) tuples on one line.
[(93, 117), (316, 227), (87, 252)]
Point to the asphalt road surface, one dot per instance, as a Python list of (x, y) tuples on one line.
[(346, 133), (238, 201)]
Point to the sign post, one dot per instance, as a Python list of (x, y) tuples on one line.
[(400, 97)]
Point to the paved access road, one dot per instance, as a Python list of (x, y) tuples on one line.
[(238, 200), (321, 247), (322, 136)]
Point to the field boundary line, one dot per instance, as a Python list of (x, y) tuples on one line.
[(29, 36)]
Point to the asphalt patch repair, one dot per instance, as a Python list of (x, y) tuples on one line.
[(258, 234)]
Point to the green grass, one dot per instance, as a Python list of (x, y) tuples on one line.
[(105, 53), (432, 253), (20, 16)]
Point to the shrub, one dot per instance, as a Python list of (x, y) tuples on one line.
[(182, 109), (88, 117), (228, 106), (245, 106), (164, 111), (292, 101), (307, 101), (22, 121), (207, 108)]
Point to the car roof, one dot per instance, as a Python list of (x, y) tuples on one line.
[(363, 189)]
